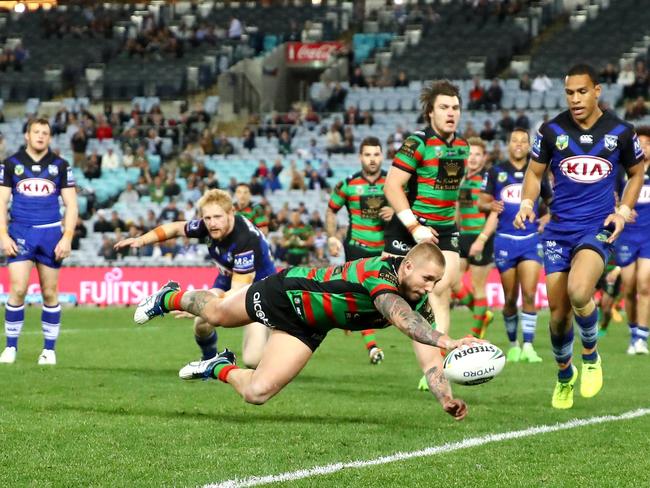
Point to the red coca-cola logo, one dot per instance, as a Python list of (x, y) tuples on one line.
[(299, 52)]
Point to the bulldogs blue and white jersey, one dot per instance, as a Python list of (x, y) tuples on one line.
[(585, 165), (36, 187), (642, 207), (504, 182), (244, 250)]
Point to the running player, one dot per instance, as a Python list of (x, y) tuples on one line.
[(609, 286), (472, 220), (633, 255), (252, 211), (363, 196), (242, 256), (301, 305), (35, 177), (517, 252), (583, 147), (422, 187)]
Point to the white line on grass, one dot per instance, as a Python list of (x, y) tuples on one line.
[(429, 451)]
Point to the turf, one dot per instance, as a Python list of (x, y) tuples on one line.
[(114, 413)]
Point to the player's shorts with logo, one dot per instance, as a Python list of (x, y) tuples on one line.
[(268, 304), (36, 243), (509, 251), (561, 247), (486, 257), (631, 246), (398, 240)]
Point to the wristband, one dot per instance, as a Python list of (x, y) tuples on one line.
[(624, 211), (526, 203), (482, 237), (161, 235), (408, 219)]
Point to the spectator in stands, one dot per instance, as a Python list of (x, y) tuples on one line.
[(488, 133), (609, 74), (277, 168), (297, 178), (211, 181), (257, 187), (111, 160), (506, 125), (130, 137), (336, 101), (476, 95), (401, 80), (103, 130), (320, 242), (470, 131), (310, 118), (262, 170), (92, 166), (101, 224), (223, 146), (232, 184), (206, 141), (636, 110), (142, 186), (153, 142), (626, 79), (640, 86), (20, 55), (352, 116), (169, 213), (542, 83), (129, 195), (324, 170), (293, 32), (317, 182), (248, 137), (192, 193), (116, 222), (496, 154), (172, 188), (385, 79), (357, 79), (60, 122), (80, 232), (493, 96), (315, 220), (79, 144), (128, 158), (333, 140), (522, 120), (367, 118), (157, 190), (284, 143), (347, 146), (106, 250), (235, 29), (525, 83), (188, 249)]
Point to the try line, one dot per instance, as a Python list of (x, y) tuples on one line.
[(429, 451)]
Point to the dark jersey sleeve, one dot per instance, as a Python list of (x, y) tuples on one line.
[(542, 149), (245, 254), (196, 228), (67, 176), (631, 152), (488, 182), (545, 192), (6, 173)]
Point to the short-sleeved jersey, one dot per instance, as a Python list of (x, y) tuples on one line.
[(36, 186), (363, 200), (642, 207), (585, 165), (437, 168), (293, 233), (243, 251), (504, 181), (342, 297), (472, 220), (254, 213)]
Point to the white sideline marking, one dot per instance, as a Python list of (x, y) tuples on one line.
[(429, 451)]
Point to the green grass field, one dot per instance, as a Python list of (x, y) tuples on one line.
[(114, 413)]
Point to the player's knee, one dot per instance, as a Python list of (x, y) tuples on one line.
[(215, 313), (17, 294), (510, 305), (643, 289), (528, 299), (49, 295), (202, 328), (259, 392), (579, 295)]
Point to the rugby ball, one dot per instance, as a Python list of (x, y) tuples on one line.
[(475, 364)]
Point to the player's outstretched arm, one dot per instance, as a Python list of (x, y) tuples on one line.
[(159, 234), (9, 247), (529, 194)]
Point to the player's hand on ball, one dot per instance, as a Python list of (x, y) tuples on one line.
[(464, 341), (9, 246), (455, 407), (334, 246)]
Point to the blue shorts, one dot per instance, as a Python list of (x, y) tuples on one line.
[(559, 248), (35, 243), (509, 252), (631, 246)]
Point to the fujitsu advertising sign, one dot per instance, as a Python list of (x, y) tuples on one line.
[(311, 53)]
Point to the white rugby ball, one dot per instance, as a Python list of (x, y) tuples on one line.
[(475, 364)]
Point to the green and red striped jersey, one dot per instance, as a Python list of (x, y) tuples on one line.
[(293, 233), (472, 220), (254, 213), (342, 297), (437, 168), (363, 200)]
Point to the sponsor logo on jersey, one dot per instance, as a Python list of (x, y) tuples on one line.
[(2, 172), (35, 187), (244, 261), (401, 245), (257, 308), (562, 142), (611, 141), (511, 193), (70, 176), (644, 196), (19, 169), (638, 152), (537, 143), (586, 139), (53, 169), (36, 168), (519, 174), (502, 176), (585, 169)]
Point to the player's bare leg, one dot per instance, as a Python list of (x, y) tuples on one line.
[(528, 273), (51, 313), (510, 284), (628, 283), (482, 316), (440, 298), (255, 337), (643, 305), (15, 308)]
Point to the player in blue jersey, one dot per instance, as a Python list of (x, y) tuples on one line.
[(241, 253), (33, 179), (633, 256), (517, 252), (584, 148)]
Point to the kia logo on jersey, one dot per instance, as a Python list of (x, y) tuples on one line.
[(585, 169), (35, 187), (511, 193)]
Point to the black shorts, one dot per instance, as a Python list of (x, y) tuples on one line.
[(353, 252), (399, 241), (487, 257), (296, 259), (268, 304)]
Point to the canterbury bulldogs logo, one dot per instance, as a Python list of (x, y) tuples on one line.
[(53, 169), (611, 141)]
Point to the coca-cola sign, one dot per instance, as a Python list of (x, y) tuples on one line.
[(312, 53)]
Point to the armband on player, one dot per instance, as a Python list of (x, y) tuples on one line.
[(408, 219), (526, 203), (624, 211), (161, 235)]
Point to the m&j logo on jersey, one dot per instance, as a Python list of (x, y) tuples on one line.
[(511, 193), (585, 169), (35, 187), (244, 262)]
